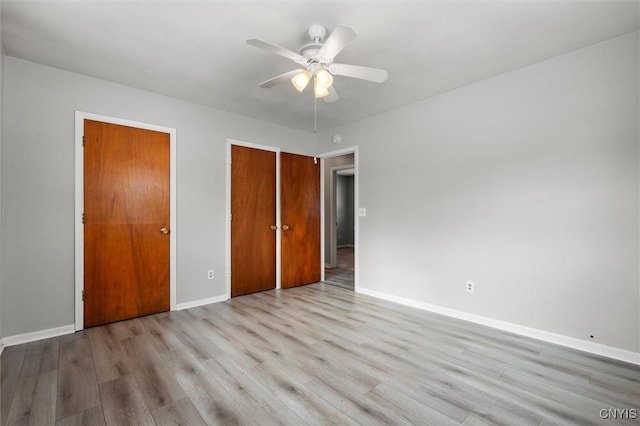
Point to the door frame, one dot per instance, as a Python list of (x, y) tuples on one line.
[(80, 116), (356, 227), (231, 142)]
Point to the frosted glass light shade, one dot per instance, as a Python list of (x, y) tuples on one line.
[(301, 80), (319, 92), (324, 78)]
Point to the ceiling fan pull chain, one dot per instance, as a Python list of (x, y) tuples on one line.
[(315, 115)]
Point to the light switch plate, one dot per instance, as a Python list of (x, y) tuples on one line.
[(362, 211)]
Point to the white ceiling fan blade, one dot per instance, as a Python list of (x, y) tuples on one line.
[(364, 73), (278, 50), (332, 96), (279, 79), (338, 40)]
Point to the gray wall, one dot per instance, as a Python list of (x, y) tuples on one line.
[(38, 185), (526, 183), (329, 163), (344, 210)]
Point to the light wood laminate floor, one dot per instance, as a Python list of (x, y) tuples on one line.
[(317, 354), (343, 278), (345, 258), (343, 274)]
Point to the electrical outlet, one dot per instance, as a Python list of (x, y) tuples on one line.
[(210, 274), (470, 286)]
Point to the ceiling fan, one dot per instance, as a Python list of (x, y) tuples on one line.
[(316, 61)]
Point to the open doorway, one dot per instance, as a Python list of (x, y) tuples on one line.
[(344, 213), (339, 220)]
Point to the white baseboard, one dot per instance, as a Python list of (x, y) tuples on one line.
[(38, 335), (546, 336), (68, 329), (200, 302)]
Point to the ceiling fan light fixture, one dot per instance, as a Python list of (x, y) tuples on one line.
[(315, 61), (301, 80), (320, 92), (324, 79)]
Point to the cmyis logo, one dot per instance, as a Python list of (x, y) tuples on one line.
[(619, 413)]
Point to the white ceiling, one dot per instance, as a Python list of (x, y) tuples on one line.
[(196, 50)]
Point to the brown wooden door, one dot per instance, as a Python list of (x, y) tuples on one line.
[(300, 213), (253, 213), (126, 204)]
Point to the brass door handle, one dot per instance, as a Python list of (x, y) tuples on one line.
[(164, 231), (285, 227), (273, 227)]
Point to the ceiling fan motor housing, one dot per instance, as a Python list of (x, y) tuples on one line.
[(317, 32), (310, 50)]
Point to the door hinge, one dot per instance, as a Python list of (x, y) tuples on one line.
[(83, 295), (82, 217), (230, 217), (83, 141)]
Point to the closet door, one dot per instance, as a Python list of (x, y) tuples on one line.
[(300, 214), (253, 220), (126, 222)]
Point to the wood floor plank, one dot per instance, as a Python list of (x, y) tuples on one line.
[(297, 397), (164, 339), (275, 411), (109, 360), (253, 345), (35, 401), (409, 409), (228, 342), (91, 417), (41, 357), (439, 382), (579, 402), (77, 383), (180, 412), (531, 399), (474, 419), (403, 394), (10, 368), (339, 277), (616, 383), (359, 409), (252, 396), (207, 394), (155, 380), (123, 404), (199, 344), (340, 361)]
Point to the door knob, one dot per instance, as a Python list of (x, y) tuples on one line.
[(273, 227), (285, 227), (164, 231)]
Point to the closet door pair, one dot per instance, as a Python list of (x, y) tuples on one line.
[(254, 225)]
